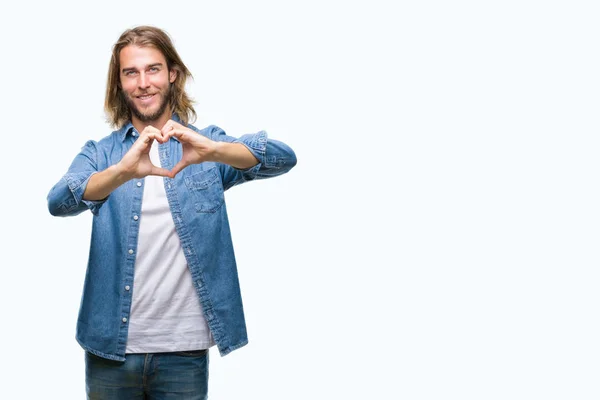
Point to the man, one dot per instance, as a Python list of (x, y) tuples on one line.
[(161, 285)]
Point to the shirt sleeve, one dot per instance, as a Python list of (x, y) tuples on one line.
[(274, 157), (66, 197)]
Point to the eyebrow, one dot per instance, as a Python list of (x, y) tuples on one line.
[(148, 66)]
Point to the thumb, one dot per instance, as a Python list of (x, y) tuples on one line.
[(177, 168), (156, 171)]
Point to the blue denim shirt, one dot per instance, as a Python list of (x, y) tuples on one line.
[(196, 200)]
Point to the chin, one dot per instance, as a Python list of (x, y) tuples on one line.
[(148, 115)]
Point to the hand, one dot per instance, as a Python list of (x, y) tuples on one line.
[(196, 148), (136, 163)]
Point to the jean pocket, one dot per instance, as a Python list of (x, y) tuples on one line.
[(191, 353), (206, 189)]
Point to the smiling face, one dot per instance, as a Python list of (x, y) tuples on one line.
[(146, 84)]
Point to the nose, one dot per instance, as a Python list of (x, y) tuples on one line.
[(143, 81)]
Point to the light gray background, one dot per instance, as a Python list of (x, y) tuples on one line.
[(438, 238)]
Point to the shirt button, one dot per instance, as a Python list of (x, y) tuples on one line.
[(130, 251), (124, 320), (139, 184), (135, 217), (127, 288)]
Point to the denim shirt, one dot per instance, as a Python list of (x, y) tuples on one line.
[(196, 201)]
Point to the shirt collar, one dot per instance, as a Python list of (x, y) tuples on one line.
[(129, 129)]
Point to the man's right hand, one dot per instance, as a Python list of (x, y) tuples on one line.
[(135, 164)]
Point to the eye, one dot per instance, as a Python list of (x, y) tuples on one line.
[(129, 73), (154, 69)]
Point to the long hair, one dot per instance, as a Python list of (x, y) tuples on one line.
[(116, 109)]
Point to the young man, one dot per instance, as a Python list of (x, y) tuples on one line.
[(161, 285)]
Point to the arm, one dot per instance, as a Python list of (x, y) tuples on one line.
[(252, 156), (66, 197), (135, 164), (84, 187), (199, 148), (275, 158), (235, 154)]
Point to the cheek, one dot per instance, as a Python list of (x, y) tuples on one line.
[(162, 81), (128, 88)]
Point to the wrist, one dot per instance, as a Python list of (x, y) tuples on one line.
[(219, 152), (235, 154), (120, 173)]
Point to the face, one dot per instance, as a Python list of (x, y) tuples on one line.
[(145, 82)]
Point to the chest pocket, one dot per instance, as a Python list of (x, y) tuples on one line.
[(206, 190)]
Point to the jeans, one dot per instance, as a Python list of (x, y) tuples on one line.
[(154, 376)]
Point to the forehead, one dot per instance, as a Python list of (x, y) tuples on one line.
[(133, 56)]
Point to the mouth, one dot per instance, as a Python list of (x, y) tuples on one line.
[(145, 96)]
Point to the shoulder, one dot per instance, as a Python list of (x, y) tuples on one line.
[(105, 144), (111, 139), (210, 131)]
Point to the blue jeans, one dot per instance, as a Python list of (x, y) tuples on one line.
[(154, 376)]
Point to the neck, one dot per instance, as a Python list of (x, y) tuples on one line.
[(158, 123)]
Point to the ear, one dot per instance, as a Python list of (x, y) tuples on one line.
[(172, 75)]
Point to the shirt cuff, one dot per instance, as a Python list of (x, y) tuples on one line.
[(256, 143), (77, 183)]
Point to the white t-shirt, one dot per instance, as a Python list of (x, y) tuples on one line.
[(166, 314)]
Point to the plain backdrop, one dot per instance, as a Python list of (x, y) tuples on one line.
[(438, 238)]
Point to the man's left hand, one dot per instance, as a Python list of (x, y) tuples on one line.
[(196, 148)]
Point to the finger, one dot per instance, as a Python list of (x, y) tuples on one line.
[(169, 126), (180, 134), (158, 136), (144, 142), (177, 168), (152, 135), (155, 133), (174, 124), (165, 129), (156, 171), (149, 129)]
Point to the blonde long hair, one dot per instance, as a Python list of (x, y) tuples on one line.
[(116, 108)]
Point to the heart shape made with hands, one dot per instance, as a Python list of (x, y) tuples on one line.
[(196, 148)]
